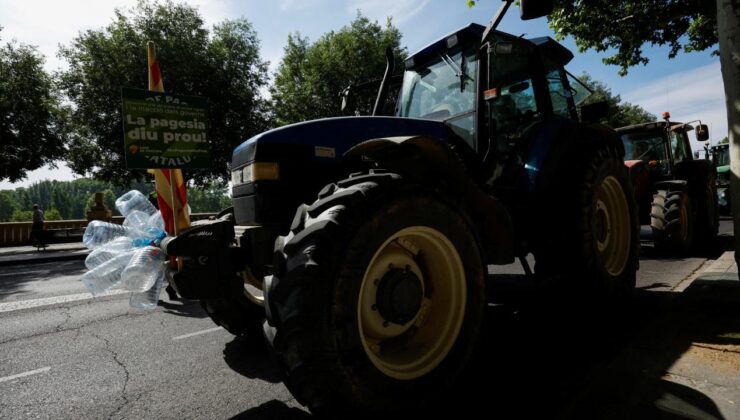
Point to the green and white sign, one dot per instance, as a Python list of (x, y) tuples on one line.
[(161, 130)]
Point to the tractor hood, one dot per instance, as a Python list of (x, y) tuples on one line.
[(329, 139)]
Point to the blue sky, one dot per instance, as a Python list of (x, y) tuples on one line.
[(690, 86)]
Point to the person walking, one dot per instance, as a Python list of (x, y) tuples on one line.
[(38, 224)]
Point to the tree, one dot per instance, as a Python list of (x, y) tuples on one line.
[(8, 206), (621, 114), (30, 136), (222, 65), (209, 198), (311, 76)]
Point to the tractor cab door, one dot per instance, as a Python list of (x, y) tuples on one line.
[(514, 100)]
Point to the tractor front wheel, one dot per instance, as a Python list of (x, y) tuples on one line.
[(377, 298), (672, 221)]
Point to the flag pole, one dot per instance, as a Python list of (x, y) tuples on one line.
[(169, 183)]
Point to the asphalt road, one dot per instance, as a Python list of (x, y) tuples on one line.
[(63, 355)]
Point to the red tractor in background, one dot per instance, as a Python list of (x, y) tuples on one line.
[(676, 194)]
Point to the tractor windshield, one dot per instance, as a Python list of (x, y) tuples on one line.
[(648, 146), (442, 88), (721, 155)]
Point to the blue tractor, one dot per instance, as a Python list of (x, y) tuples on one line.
[(364, 241)]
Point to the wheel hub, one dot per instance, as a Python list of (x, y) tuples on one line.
[(399, 295)]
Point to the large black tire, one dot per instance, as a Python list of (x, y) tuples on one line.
[(327, 298), (672, 220), (707, 212), (588, 228), (235, 311)]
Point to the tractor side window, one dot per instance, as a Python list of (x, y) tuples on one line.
[(560, 95), (512, 110), (678, 146)]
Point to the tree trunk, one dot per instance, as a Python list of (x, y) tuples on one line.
[(728, 23)]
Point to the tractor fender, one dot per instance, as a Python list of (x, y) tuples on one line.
[(432, 161), (672, 185), (696, 172)]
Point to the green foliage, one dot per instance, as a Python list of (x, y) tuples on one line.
[(8, 205), (621, 114), (623, 27), (22, 216), (52, 214), (29, 129), (210, 198), (311, 76), (725, 140), (69, 200), (222, 65)]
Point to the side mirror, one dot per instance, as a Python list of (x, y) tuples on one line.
[(533, 9), (702, 132), (595, 111)]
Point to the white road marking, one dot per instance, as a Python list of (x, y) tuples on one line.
[(180, 337), (21, 375), (33, 303)]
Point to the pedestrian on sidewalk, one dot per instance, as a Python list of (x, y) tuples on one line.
[(38, 224)]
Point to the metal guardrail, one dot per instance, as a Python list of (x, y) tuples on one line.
[(18, 233)]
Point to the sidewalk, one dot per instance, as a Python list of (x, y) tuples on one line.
[(685, 364), (28, 254)]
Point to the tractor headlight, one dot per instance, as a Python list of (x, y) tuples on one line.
[(255, 171)]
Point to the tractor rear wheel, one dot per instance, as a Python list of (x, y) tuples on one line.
[(589, 231), (707, 214), (672, 221), (377, 297)]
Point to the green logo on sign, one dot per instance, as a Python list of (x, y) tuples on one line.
[(161, 130)]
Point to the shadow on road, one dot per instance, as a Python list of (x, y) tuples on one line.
[(183, 307), (273, 409), (248, 356), (14, 278)]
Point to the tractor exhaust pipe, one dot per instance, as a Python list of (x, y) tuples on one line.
[(390, 66)]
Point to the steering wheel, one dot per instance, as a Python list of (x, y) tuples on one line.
[(646, 154)]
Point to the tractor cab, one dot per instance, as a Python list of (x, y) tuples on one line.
[(494, 93)]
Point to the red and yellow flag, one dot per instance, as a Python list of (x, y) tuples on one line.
[(171, 195)]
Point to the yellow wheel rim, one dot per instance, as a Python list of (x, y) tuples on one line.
[(253, 288), (427, 277), (684, 217), (612, 226)]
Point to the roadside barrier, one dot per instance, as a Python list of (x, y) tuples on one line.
[(18, 233)]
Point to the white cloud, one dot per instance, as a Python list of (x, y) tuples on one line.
[(399, 10), (688, 95), (46, 24), (61, 173), (297, 5)]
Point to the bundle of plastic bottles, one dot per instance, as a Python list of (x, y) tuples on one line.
[(127, 256)]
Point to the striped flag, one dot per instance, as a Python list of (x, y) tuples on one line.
[(169, 183)]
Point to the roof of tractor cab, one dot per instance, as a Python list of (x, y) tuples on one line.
[(472, 34), (654, 125)]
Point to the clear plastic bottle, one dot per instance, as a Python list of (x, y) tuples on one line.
[(149, 298), (134, 200), (107, 275), (101, 254), (142, 271), (99, 233), (137, 219), (156, 221)]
